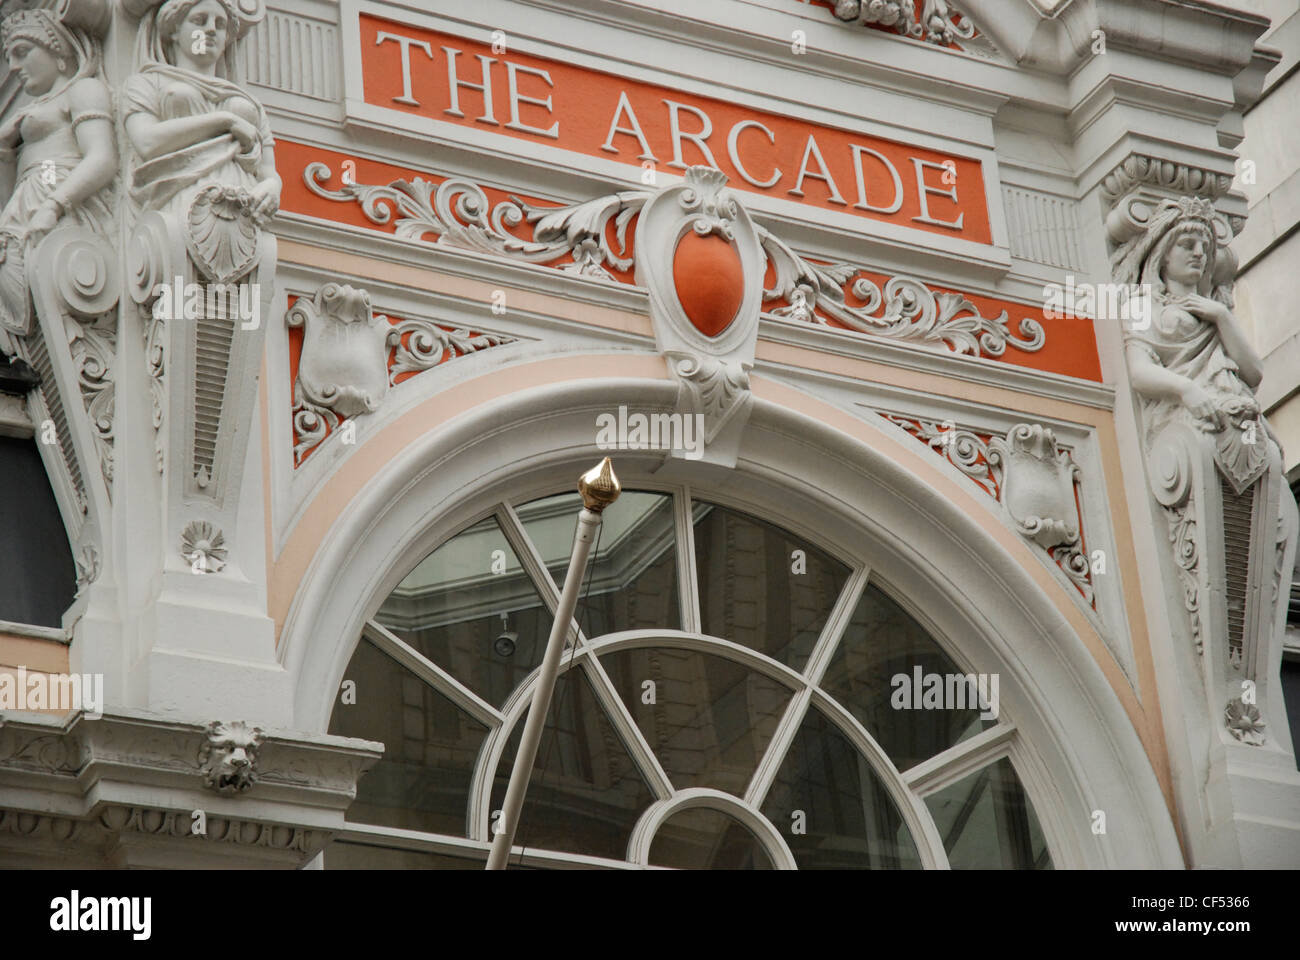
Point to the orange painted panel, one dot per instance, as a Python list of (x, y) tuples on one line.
[(1070, 348), (553, 103)]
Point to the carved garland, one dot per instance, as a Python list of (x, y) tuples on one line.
[(984, 458), (459, 214)]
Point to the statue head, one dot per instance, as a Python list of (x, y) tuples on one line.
[(1181, 249), (1184, 254), (41, 49), (196, 35)]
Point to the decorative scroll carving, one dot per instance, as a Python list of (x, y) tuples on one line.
[(937, 21), (351, 356), (905, 310), (966, 451), (228, 757), (1034, 478), (459, 213)]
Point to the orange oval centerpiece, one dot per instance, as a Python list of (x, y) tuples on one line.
[(710, 281)]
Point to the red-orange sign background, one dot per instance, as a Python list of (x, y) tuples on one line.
[(585, 103)]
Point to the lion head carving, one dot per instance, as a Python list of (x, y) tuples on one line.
[(228, 756)]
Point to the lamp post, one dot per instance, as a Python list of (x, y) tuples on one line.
[(599, 488)]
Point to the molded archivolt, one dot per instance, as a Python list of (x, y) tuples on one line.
[(972, 581)]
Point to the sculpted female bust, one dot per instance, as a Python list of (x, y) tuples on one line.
[(1193, 363), (63, 144), (190, 127)]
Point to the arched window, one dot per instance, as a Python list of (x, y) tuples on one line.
[(736, 696)]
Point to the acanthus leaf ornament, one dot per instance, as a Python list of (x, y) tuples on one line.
[(1033, 477), (936, 22), (458, 213)]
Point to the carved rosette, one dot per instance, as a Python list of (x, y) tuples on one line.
[(352, 356), (576, 238), (1034, 478), (203, 547)]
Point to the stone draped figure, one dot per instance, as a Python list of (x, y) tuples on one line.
[(191, 128), (62, 144), (1213, 465), (1193, 363)]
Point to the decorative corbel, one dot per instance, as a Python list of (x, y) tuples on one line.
[(700, 257)]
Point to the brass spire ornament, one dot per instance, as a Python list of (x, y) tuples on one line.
[(599, 488)]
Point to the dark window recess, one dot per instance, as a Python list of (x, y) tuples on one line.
[(37, 576), (1291, 697)]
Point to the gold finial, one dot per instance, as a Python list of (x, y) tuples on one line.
[(599, 487)]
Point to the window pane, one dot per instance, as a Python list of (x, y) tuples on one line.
[(344, 855), (881, 642), (430, 746), (988, 823), (704, 839), (756, 590), (632, 579), (711, 719), (849, 820), (585, 794), (470, 608)]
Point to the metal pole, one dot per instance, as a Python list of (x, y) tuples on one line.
[(599, 488)]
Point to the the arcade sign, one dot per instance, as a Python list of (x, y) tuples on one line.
[(549, 102)]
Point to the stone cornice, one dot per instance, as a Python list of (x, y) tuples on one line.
[(86, 780)]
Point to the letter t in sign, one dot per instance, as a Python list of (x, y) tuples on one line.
[(406, 44)]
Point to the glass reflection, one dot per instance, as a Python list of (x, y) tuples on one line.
[(430, 746), (704, 839), (761, 586), (988, 823), (708, 720), (632, 576), (881, 641), (585, 794), (848, 818), (471, 609)]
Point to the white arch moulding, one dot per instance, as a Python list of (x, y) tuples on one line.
[(870, 497)]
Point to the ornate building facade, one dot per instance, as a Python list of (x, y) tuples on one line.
[(955, 533)]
